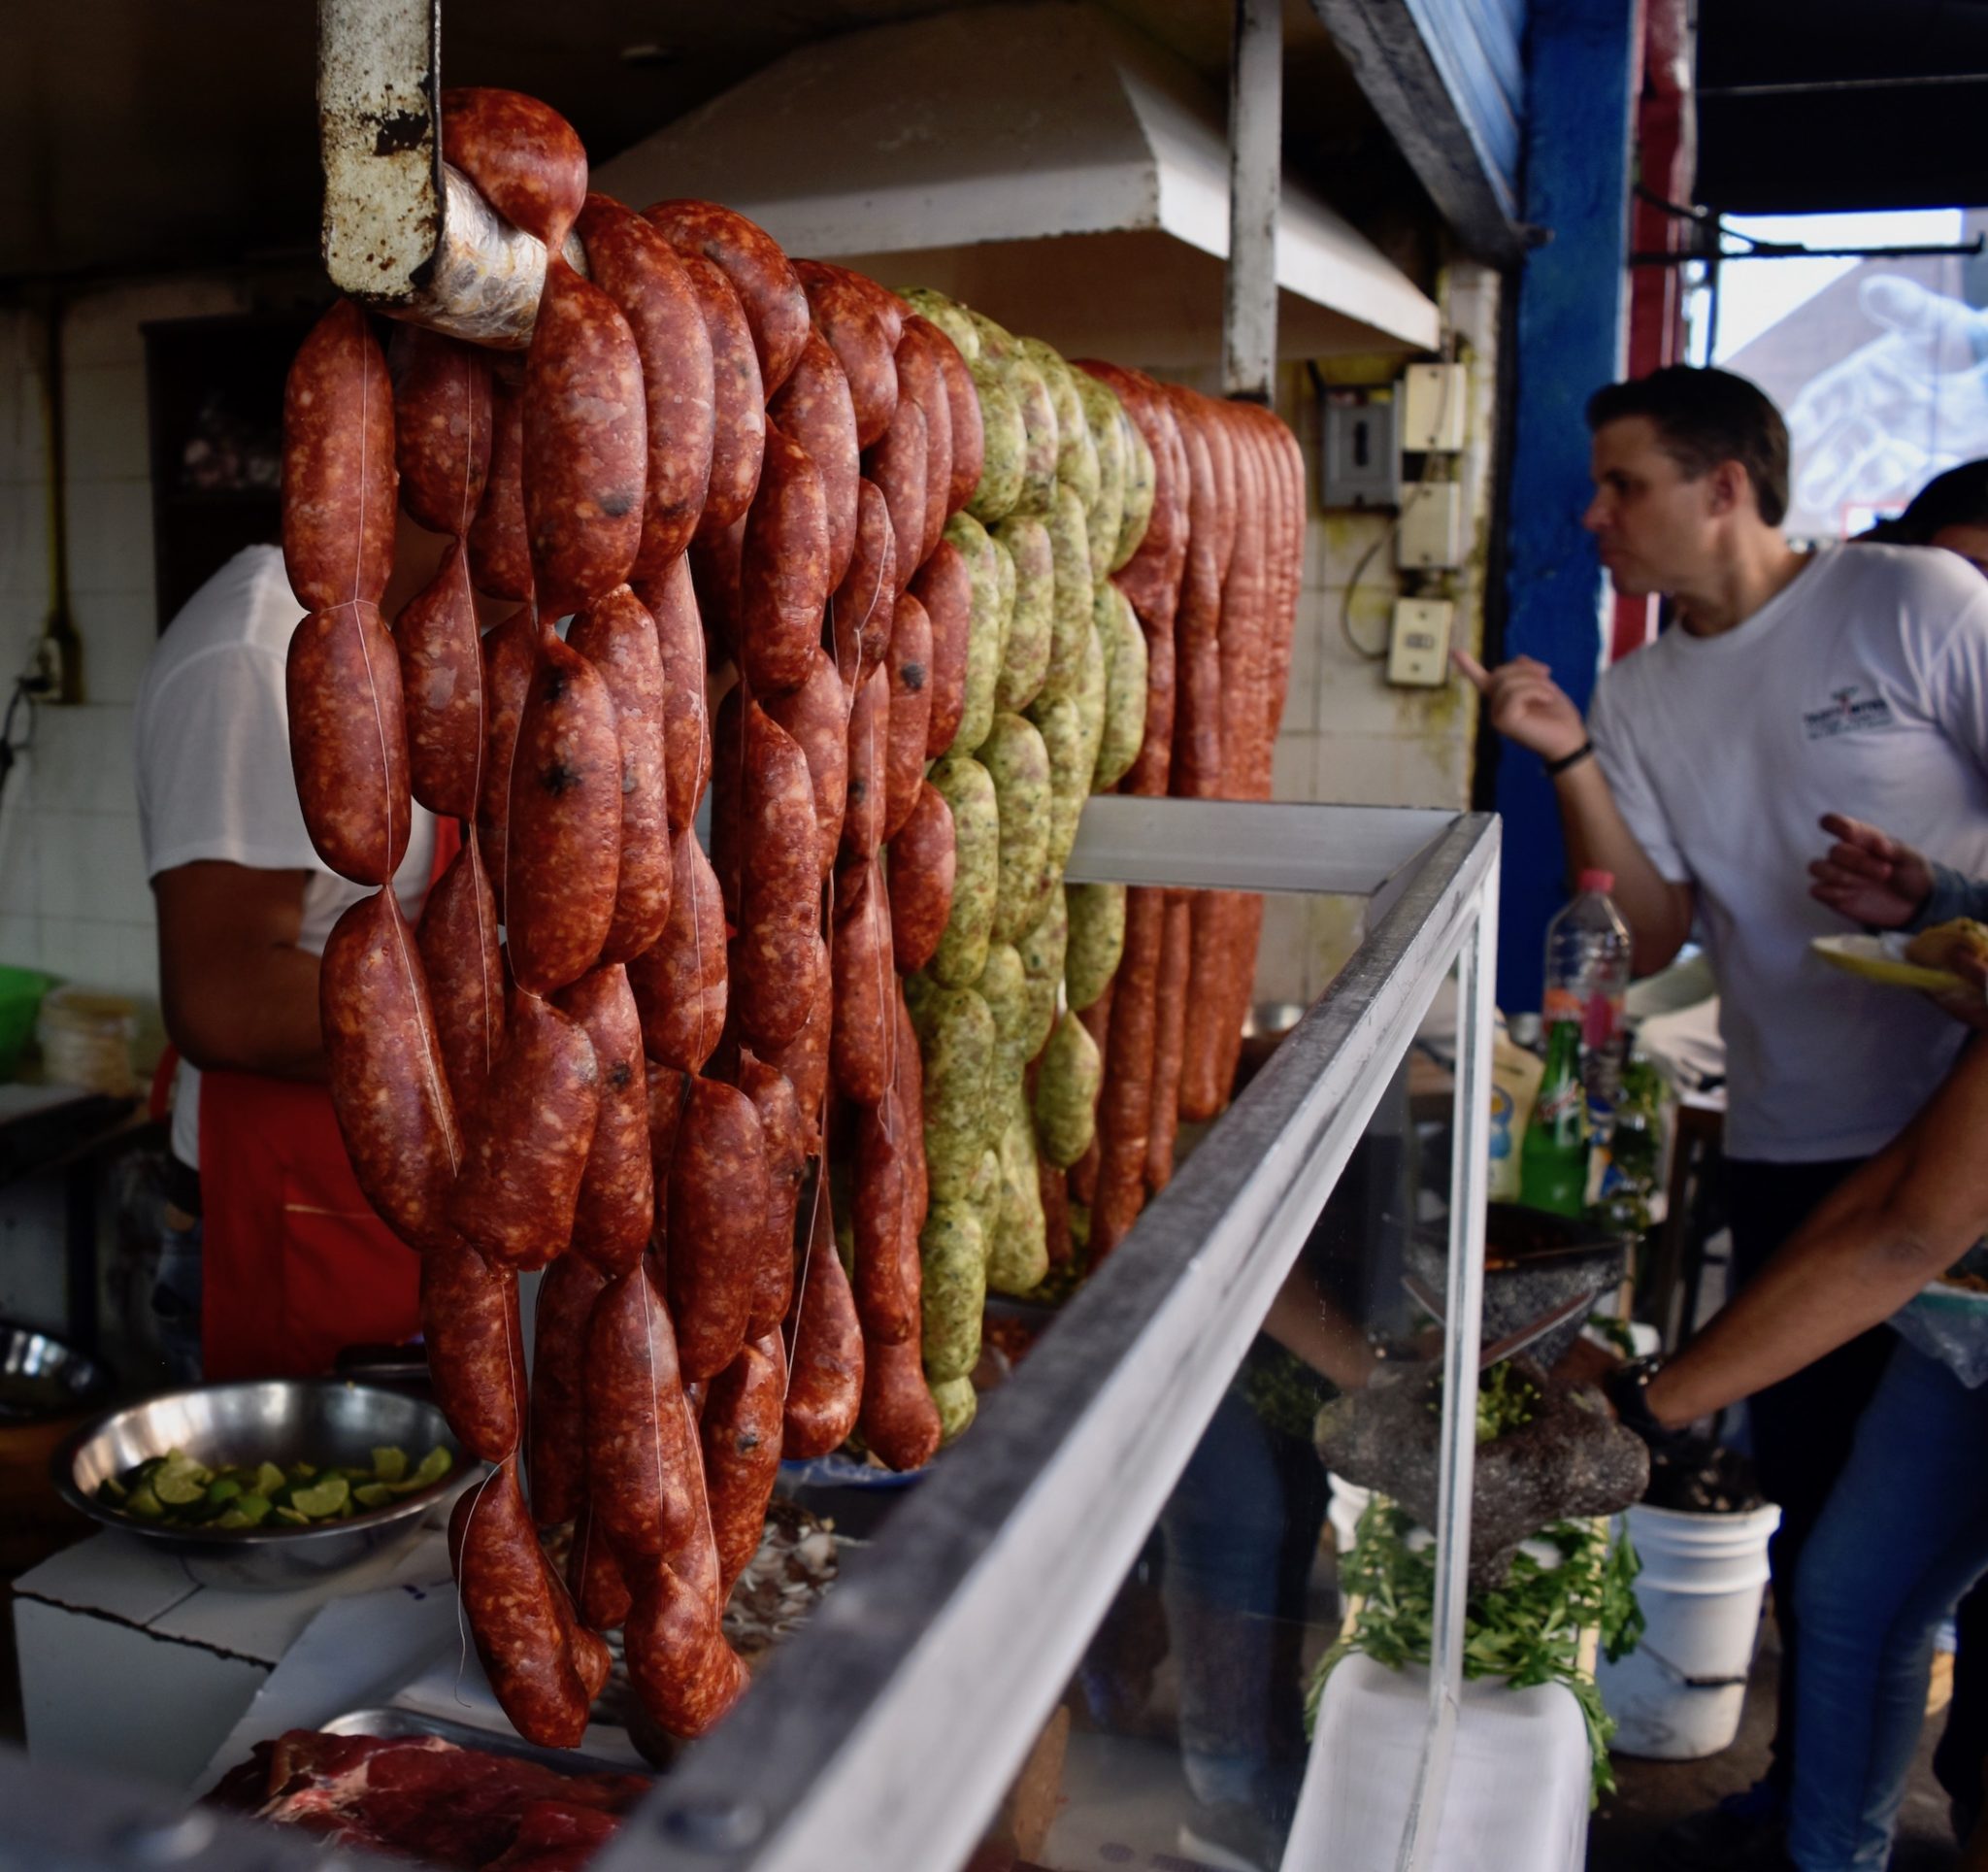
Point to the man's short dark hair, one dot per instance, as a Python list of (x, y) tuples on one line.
[(1703, 418)]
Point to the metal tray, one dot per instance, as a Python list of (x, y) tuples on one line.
[(390, 1721)]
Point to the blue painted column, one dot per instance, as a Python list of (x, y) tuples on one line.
[(1573, 300)]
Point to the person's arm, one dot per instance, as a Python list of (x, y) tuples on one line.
[(1900, 1221), (1881, 881), (1953, 896), (1306, 1324), (1657, 911), (1528, 707), (237, 992)]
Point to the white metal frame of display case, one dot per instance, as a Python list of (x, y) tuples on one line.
[(886, 1731)]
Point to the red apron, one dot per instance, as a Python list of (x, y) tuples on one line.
[(294, 1263)]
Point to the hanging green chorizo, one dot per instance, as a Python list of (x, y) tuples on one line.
[(1004, 986), (997, 341), (1061, 727), (1066, 1101), (1097, 940), (986, 629), (1107, 513), (1093, 685), (953, 1256), (1125, 687), (983, 1193), (1019, 1256), (968, 788), (1070, 616), (1004, 458), (957, 1404), (1043, 949), (1030, 390), (1031, 612), (1140, 486), (1003, 566), (957, 1044), (948, 314), (1076, 458), (1018, 763)]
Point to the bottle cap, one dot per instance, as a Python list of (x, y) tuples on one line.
[(1602, 882)]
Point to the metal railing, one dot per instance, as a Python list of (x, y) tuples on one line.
[(886, 1732)]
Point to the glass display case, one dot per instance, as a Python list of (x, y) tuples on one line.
[(1098, 1612)]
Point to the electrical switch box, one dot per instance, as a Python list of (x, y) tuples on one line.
[(1360, 465), (1435, 402), (1432, 526), (1419, 645)]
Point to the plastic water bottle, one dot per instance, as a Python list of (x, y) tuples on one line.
[(1587, 976)]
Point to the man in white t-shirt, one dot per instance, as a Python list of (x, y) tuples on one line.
[(245, 906), (1853, 680)]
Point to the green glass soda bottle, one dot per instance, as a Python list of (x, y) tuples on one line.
[(1553, 1159)]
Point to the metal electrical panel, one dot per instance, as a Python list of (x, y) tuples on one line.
[(1361, 464)]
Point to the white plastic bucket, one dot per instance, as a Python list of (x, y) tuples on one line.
[(1348, 1502), (1679, 1695)]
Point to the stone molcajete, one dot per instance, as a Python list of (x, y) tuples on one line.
[(1569, 1459)]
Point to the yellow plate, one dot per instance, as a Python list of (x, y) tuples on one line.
[(1881, 958)]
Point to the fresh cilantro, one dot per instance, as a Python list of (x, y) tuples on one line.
[(1528, 1631)]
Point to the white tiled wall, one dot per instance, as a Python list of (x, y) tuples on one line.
[(73, 894), (1347, 737)]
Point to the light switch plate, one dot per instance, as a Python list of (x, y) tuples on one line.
[(1432, 526), (1419, 645), (1435, 404)]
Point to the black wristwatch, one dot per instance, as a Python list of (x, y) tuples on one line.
[(1626, 1388)]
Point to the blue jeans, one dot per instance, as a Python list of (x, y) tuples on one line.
[(1905, 1534), (1241, 1529)]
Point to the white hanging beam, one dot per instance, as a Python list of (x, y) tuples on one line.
[(1249, 300)]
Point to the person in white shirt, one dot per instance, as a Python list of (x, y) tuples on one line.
[(272, 1258), (1852, 679), (1907, 1525)]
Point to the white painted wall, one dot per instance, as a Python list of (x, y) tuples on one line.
[(1347, 737)]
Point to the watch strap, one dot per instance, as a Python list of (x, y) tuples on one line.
[(1555, 768)]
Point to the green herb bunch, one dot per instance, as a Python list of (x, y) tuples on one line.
[(1526, 1630)]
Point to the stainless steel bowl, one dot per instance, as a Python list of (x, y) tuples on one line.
[(42, 1378), (1272, 1019), (323, 1421)]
